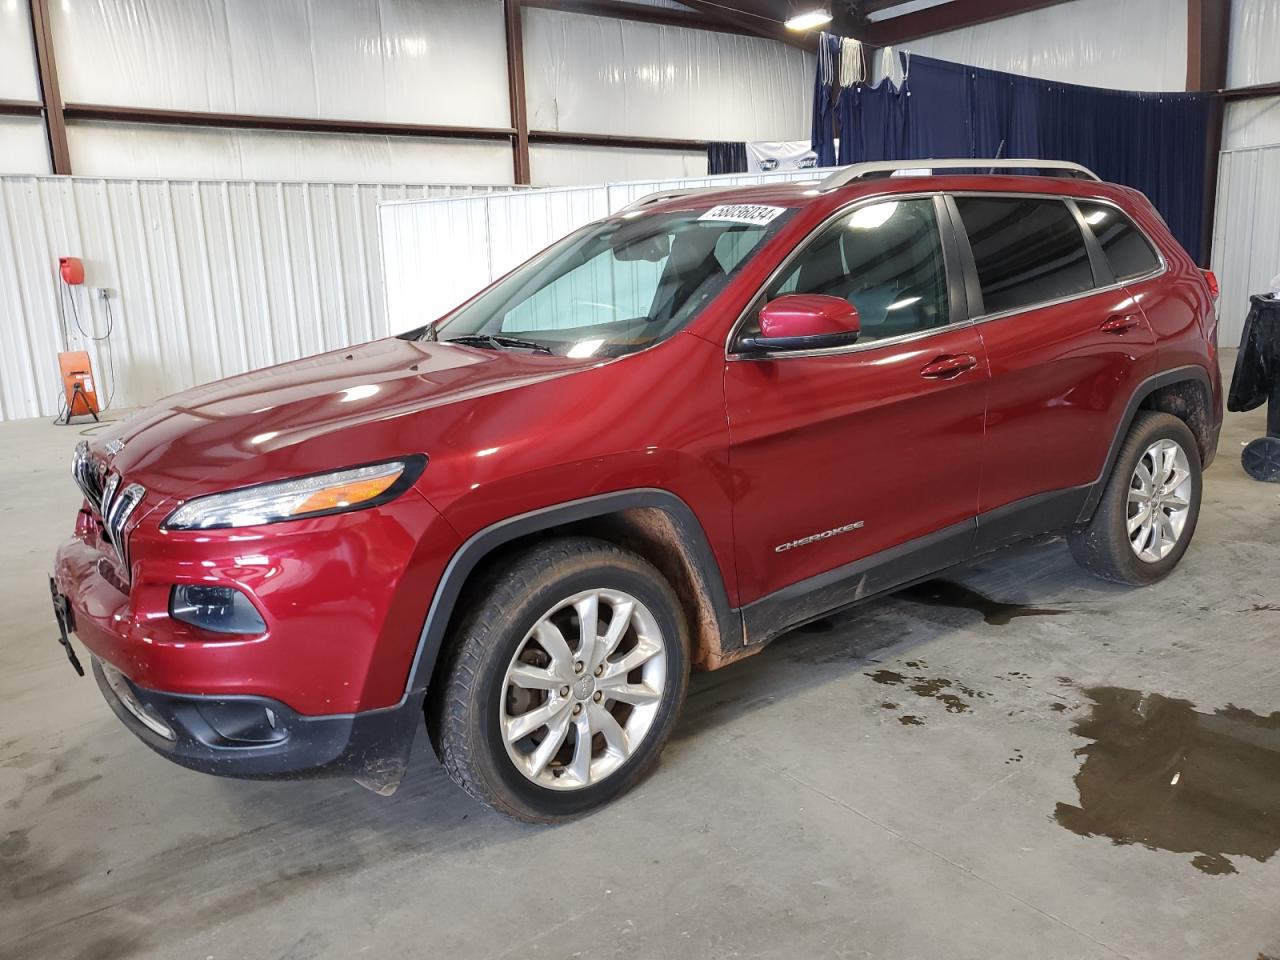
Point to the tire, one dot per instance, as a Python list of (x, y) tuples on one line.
[(1105, 546), (505, 670)]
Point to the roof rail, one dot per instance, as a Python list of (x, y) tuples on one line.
[(857, 171), (651, 198)]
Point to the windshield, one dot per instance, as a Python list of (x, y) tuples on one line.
[(616, 286)]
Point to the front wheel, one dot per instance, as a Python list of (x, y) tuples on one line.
[(1148, 512), (563, 682)]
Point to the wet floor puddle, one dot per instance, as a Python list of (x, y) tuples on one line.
[(945, 593), (1163, 774)]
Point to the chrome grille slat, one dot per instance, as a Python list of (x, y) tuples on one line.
[(88, 474), (111, 504), (122, 507)]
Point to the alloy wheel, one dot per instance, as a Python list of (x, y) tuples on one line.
[(583, 689), (1159, 500)]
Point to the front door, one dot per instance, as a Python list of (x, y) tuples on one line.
[(867, 453)]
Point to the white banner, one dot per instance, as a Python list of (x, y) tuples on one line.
[(766, 156)]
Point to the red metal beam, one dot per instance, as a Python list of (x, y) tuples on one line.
[(1208, 39), (743, 22), (50, 94), (1256, 92), (615, 140), (21, 108), (641, 13), (514, 19), (242, 121), (947, 16)]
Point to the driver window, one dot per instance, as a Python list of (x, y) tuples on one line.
[(884, 258)]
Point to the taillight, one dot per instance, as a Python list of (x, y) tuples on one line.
[(1213, 284)]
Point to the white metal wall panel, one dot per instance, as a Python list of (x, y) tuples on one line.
[(142, 150), (1134, 45), (556, 165), (1246, 236), (1255, 34), (209, 278), (1251, 123), (410, 61), (17, 58), (438, 254), (23, 148), (589, 74)]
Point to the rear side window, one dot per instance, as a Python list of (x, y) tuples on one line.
[(1128, 251), (1027, 250)]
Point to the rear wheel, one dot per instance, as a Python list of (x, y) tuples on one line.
[(1148, 513), (564, 681)]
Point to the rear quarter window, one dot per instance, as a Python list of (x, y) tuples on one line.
[(1027, 250), (1128, 250)]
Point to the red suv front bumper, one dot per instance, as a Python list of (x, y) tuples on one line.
[(322, 690)]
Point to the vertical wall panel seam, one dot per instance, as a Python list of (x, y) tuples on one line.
[(295, 326), (33, 406), (340, 263), (264, 293), (242, 336), (147, 267), (121, 350), (206, 270), (47, 273), (183, 323), (319, 320)]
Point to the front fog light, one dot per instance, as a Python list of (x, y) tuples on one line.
[(217, 609)]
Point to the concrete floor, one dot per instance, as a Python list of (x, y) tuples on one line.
[(796, 814)]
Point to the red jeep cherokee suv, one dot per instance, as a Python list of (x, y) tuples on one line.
[(662, 442)]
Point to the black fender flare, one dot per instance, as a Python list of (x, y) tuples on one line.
[(482, 543), (1149, 386)]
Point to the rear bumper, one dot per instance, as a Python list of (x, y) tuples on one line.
[(260, 738)]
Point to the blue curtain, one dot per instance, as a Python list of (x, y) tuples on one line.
[(1154, 142), (727, 157), (824, 102)]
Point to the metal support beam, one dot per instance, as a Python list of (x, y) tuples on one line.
[(1208, 37), (614, 140), (946, 16), (515, 87), (21, 108), (642, 13), (740, 21), (1256, 92), (50, 95), (243, 121)]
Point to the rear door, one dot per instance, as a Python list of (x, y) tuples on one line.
[(840, 455), (1067, 345)]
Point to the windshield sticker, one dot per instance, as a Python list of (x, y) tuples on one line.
[(753, 213)]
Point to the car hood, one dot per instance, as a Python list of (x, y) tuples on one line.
[(334, 410)]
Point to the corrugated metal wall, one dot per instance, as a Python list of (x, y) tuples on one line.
[(438, 253), (1246, 234), (207, 279)]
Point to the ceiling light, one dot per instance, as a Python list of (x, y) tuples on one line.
[(807, 21)]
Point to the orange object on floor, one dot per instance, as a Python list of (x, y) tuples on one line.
[(77, 384)]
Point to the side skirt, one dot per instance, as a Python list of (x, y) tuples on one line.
[(852, 583), (911, 562)]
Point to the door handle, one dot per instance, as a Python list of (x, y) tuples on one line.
[(1120, 323), (951, 365)]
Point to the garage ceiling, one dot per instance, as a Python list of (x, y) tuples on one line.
[(879, 22)]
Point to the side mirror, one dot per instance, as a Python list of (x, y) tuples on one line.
[(804, 321)]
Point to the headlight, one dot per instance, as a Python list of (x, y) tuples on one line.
[(313, 496)]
